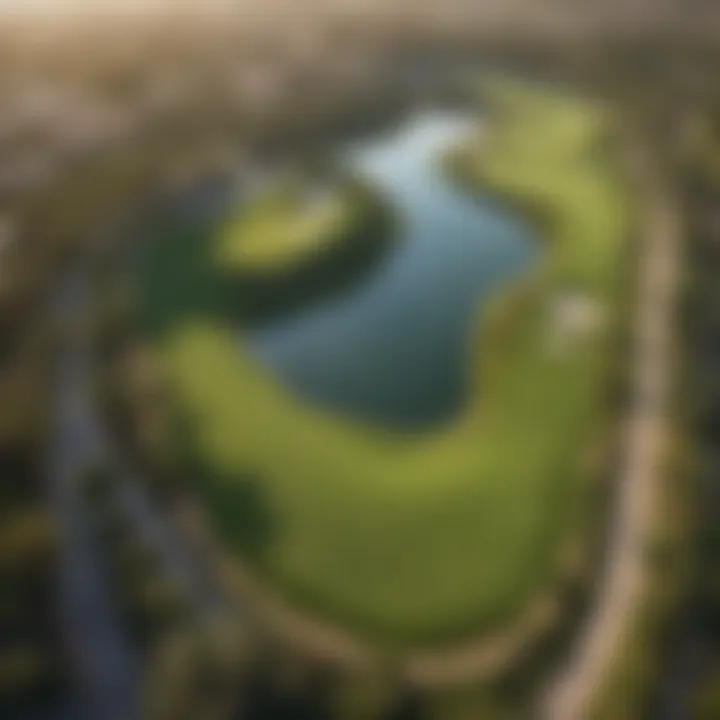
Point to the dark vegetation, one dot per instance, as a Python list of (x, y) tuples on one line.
[(697, 639), (669, 668), (255, 297), (30, 652)]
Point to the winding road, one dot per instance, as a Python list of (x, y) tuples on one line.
[(601, 638), (101, 655), (108, 670)]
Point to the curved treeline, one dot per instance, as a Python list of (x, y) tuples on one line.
[(192, 282), (357, 245)]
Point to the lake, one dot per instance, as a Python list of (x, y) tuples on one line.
[(393, 348)]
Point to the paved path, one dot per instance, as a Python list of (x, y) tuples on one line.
[(601, 637)]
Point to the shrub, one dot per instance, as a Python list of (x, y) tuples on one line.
[(707, 701)]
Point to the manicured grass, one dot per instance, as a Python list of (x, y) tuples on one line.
[(284, 226), (418, 538)]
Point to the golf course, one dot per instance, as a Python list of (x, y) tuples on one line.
[(422, 536)]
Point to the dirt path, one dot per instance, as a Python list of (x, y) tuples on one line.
[(601, 637)]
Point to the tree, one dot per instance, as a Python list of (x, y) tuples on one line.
[(707, 701), (196, 672)]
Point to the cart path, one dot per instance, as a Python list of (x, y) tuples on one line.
[(601, 637)]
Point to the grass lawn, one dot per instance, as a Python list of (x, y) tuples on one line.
[(419, 538), (283, 227)]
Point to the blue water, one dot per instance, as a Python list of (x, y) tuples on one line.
[(393, 349)]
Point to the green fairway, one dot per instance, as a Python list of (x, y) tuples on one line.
[(428, 537), (283, 227)]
